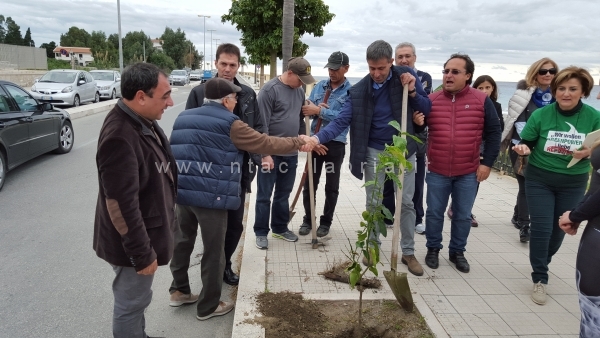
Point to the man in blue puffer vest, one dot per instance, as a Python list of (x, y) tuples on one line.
[(372, 103), (208, 145)]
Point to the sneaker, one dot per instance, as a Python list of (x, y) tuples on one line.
[(413, 264), (420, 228), (286, 236), (262, 242), (222, 309), (432, 258), (461, 262), (524, 234), (474, 222), (449, 212), (322, 230), (538, 295), (304, 229), (179, 298)]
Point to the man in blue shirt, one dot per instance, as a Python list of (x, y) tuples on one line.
[(326, 109), (406, 56), (372, 103)]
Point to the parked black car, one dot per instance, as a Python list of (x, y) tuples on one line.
[(29, 128)]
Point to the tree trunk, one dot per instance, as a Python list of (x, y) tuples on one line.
[(287, 32), (262, 76), (273, 64)]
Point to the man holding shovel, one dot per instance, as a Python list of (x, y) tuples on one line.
[(324, 105), (372, 103)]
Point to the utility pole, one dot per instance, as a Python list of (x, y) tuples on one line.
[(120, 40), (204, 55), (211, 53)]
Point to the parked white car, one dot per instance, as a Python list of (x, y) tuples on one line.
[(108, 83), (66, 87)]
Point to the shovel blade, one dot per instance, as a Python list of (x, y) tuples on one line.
[(398, 282)]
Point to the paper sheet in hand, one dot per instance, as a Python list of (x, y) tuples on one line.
[(589, 140)]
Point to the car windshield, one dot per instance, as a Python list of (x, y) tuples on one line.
[(196, 72), (103, 76), (178, 72), (59, 77)]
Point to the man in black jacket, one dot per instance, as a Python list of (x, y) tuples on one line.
[(227, 63)]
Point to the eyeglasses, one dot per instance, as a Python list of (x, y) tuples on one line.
[(543, 71), (453, 71), (233, 97)]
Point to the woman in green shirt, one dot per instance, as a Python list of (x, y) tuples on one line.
[(553, 136)]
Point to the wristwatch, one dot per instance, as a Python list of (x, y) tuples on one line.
[(412, 91)]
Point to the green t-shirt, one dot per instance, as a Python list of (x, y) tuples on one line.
[(558, 136)]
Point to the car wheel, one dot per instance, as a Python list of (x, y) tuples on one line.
[(66, 137), (3, 169), (114, 94), (76, 101), (97, 98)]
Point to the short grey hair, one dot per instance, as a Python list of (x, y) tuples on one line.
[(407, 44), (379, 50), (219, 101)]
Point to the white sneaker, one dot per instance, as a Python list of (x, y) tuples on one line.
[(538, 295), (420, 228)]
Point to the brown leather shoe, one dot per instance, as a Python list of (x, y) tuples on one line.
[(413, 264)]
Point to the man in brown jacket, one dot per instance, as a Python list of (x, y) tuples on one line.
[(135, 212), (209, 144)]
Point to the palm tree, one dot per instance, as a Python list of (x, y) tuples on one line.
[(287, 32)]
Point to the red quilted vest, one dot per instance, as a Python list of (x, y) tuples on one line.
[(456, 126)]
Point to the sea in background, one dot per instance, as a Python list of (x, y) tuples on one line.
[(505, 91)]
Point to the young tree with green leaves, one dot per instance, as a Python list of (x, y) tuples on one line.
[(261, 25), (49, 49), (75, 37), (2, 29), (13, 33), (27, 41)]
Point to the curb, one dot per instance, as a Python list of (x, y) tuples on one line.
[(96, 108)]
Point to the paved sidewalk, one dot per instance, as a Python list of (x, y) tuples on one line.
[(492, 300)]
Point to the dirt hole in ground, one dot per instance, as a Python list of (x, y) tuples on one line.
[(288, 315)]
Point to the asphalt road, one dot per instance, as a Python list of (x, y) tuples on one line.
[(52, 284)]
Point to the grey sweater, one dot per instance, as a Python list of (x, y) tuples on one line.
[(280, 107)]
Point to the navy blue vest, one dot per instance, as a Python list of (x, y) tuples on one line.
[(208, 163)]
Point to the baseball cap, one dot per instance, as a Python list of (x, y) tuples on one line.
[(301, 67), (336, 60), (218, 88)]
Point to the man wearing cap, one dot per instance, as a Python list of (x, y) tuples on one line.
[(280, 104), (372, 103), (406, 55), (326, 108), (227, 63), (208, 145)]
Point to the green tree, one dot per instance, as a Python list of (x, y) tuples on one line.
[(27, 41), (75, 37), (49, 49), (2, 29), (113, 40), (162, 61), (287, 32), (174, 45), (13, 33), (133, 47), (261, 25)]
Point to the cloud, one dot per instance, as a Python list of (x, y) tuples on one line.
[(504, 33), (500, 67)]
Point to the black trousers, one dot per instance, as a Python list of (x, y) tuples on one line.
[(587, 276), (235, 227), (521, 207), (333, 164)]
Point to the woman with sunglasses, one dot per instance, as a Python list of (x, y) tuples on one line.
[(532, 93), (552, 137)]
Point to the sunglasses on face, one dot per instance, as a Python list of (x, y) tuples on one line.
[(543, 71), (453, 71)]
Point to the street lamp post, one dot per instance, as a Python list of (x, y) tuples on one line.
[(120, 42), (211, 59), (204, 56)]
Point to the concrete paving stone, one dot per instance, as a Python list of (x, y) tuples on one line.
[(487, 236), (557, 286), (454, 287), (503, 247), (560, 323), (484, 258), (505, 303), (488, 286), (280, 269), (569, 302), (504, 271), (469, 304), (423, 286), (439, 304), (526, 323), (319, 284), (551, 305), (487, 324), (562, 271), (515, 258), (455, 325), (518, 286), (279, 284), (443, 271)]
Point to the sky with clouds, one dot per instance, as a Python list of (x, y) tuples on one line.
[(503, 37)]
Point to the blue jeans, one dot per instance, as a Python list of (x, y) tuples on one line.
[(282, 178), (439, 188)]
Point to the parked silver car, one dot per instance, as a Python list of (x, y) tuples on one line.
[(179, 77), (66, 87), (108, 83)]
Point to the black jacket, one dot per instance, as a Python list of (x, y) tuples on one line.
[(247, 110)]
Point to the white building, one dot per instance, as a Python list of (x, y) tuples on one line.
[(81, 55), (157, 43)]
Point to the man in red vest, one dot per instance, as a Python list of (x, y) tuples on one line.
[(461, 118)]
